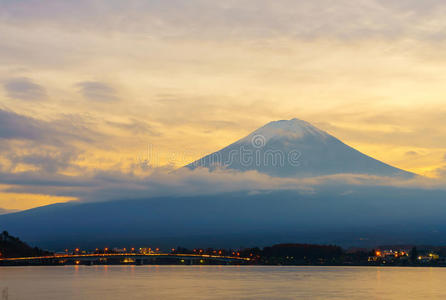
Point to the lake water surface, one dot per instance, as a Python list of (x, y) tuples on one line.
[(221, 282)]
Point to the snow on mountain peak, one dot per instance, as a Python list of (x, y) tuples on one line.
[(293, 129)]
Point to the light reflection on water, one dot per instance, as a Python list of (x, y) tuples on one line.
[(221, 282)]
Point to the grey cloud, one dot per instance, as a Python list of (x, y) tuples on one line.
[(32, 30), (50, 161), (23, 89), (135, 126), (39, 182), (114, 184), (212, 19), (55, 132), (425, 7), (97, 91), (49, 146), (14, 126), (412, 153)]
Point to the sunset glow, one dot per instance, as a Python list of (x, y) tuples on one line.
[(88, 91)]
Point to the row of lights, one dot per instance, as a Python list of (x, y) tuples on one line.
[(106, 249), (215, 252), (396, 253), (200, 251)]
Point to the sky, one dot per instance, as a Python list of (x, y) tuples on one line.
[(94, 93)]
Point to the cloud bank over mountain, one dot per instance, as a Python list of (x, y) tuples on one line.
[(149, 183), (305, 173)]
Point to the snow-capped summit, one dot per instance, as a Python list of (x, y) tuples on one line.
[(293, 128), (295, 148)]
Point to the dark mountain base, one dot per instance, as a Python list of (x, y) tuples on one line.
[(364, 217)]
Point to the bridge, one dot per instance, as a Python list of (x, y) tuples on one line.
[(125, 258)]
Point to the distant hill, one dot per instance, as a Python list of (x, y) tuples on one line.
[(13, 247), (363, 217)]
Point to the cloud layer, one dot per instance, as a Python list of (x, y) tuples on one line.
[(97, 91), (23, 89)]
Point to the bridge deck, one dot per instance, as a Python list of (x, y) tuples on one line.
[(85, 257)]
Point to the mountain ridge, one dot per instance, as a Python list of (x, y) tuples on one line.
[(240, 218)]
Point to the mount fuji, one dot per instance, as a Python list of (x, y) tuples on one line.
[(295, 148), (343, 213)]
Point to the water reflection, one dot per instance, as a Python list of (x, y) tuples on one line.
[(222, 282)]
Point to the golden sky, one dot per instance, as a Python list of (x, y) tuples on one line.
[(89, 86)]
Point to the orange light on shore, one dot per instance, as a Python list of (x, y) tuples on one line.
[(378, 253)]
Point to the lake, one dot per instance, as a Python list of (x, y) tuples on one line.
[(220, 282)]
